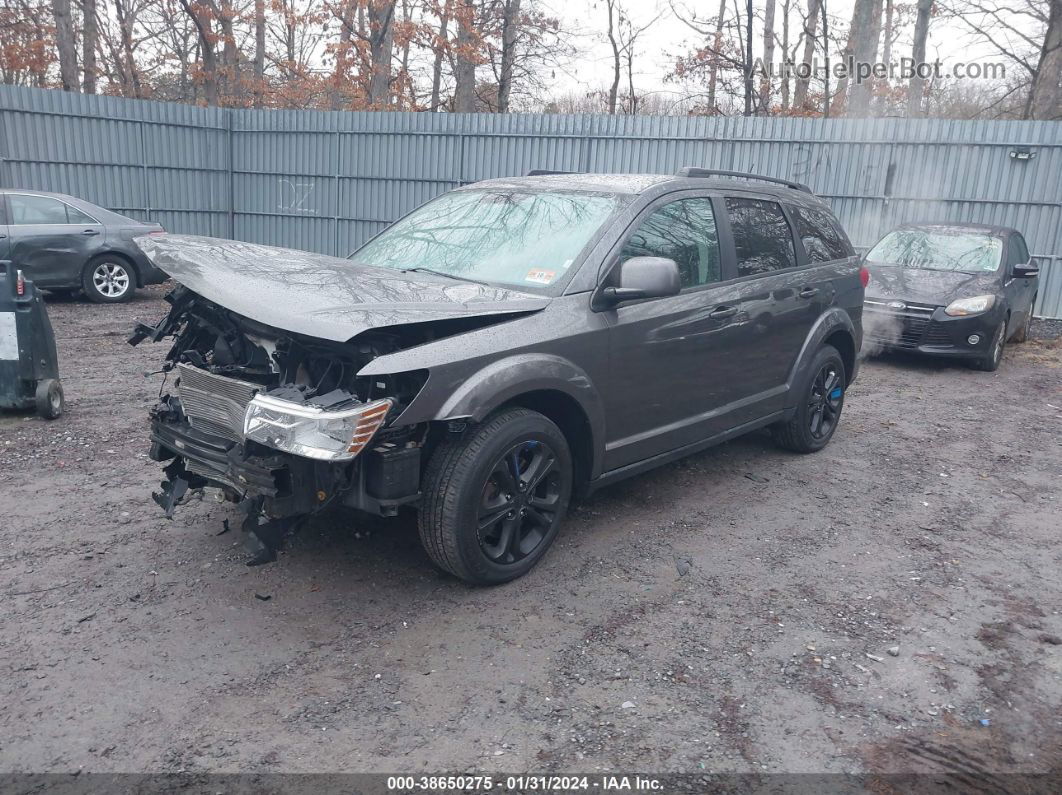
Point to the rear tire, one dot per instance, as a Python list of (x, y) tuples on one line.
[(494, 499), (109, 280), (818, 413), (49, 399), (989, 363)]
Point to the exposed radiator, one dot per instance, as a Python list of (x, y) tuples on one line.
[(214, 404)]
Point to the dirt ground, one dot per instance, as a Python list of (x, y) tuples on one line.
[(888, 605)]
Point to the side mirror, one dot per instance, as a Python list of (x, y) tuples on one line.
[(644, 277), (1026, 270)]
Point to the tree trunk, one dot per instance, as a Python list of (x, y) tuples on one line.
[(205, 34), (89, 37), (1045, 95), (886, 43), (125, 33), (918, 55), (749, 85), (510, 28), (800, 93), (613, 92), (440, 53), (259, 52), (64, 43), (768, 54), (381, 44), (786, 7), (464, 62), (713, 70), (867, 53), (862, 48)]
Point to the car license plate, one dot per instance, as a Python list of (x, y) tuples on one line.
[(8, 337)]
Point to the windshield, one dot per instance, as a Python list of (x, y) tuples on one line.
[(969, 252), (508, 237)]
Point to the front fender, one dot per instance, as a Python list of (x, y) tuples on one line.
[(832, 320), (460, 396)]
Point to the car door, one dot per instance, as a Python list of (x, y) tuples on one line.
[(1020, 293), (778, 299), (672, 378), (50, 240)]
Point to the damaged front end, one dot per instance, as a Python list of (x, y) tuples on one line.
[(279, 422)]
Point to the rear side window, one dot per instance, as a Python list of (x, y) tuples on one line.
[(36, 210), (684, 231), (75, 216), (821, 235), (762, 237)]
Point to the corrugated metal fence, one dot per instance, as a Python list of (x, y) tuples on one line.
[(329, 181)]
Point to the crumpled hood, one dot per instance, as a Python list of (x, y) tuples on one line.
[(925, 286), (318, 295)]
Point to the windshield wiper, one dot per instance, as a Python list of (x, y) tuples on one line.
[(441, 273)]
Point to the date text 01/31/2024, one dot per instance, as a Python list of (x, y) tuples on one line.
[(522, 783)]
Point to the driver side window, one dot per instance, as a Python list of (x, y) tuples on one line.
[(683, 231)]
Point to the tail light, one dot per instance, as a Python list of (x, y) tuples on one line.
[(864, 276), (20, 284), (157, 232)]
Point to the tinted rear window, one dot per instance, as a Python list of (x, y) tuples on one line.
[(821, 234), (762, 237)]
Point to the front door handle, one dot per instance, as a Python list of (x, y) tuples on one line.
[(809, 292), (722, 312), (90, 232)]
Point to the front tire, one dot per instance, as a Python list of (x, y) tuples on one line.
[(989, 363), (1023, 333), (108, 280), (494, 499), (819, 408)]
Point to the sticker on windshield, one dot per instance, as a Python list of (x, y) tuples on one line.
[(540, 276)]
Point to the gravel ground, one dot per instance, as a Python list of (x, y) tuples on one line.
[(866, 609)]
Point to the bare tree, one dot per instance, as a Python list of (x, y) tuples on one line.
[(465, 58), (65, 44), (89, 41), (918, 55), (510, 27), (1045, 97), (768, 54), (259, 52), (440, 48), (381, 46)]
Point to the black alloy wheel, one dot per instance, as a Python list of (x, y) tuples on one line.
[(520, 502), (818, 410), (824, 403)]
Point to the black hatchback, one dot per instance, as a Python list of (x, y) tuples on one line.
[(66, 244), (956, 290)]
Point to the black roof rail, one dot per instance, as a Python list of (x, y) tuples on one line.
[(693, 171), (543, 172)]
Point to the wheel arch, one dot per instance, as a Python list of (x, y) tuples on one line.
[(834, 327), (568, 415), (112, 254)]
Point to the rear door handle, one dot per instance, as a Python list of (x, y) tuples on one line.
[(809, 292), (719, 313), (90, 232)]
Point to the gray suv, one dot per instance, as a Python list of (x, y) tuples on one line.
[(501, 348)]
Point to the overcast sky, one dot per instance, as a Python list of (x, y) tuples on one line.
[(669, 37)]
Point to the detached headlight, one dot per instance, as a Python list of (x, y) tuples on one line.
[(970, 306), (313, 432)]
